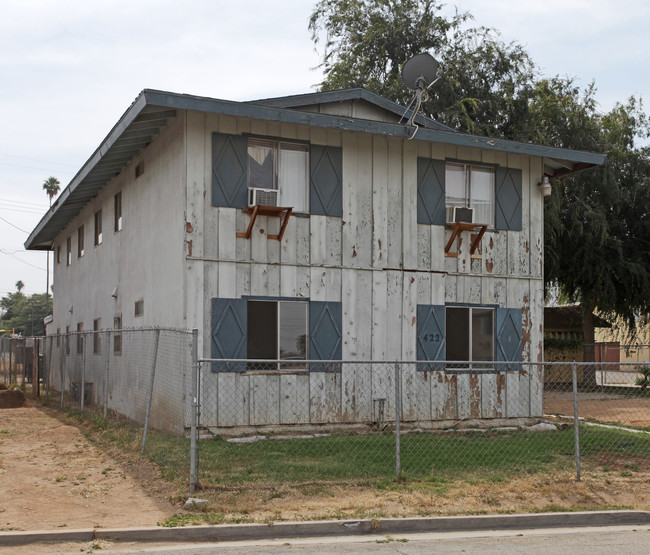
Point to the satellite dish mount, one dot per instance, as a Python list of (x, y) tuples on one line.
[(419, 73)]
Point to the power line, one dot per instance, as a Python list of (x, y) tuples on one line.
[(69, 172), (37, 160), (22, 211), (13, 201), (20, 260), (12, 225)]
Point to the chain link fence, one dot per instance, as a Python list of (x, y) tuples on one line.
[(142, 374), (247, 423), (299, 422)]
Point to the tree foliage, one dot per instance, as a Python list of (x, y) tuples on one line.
[(486, 84), (597, 225), (24, 314), (51, 186)]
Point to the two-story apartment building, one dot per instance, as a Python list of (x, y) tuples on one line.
[(314, 227)]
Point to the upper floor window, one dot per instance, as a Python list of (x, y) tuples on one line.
[(98, 228), (117, 210), (470, 186), (68, 256), (282, 167), (139, 308), (80, 242), (58, 254)]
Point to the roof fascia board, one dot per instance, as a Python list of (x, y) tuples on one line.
[(257, 111), (358, 93), (123, 123)]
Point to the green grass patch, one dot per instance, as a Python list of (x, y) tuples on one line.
[(431, 462)]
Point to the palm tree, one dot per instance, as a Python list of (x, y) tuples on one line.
[(19, 285), (51, 186)]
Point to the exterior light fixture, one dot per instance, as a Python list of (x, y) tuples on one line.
[(545, 186)]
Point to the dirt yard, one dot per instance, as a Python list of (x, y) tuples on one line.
[(601, 406), (52, 477)]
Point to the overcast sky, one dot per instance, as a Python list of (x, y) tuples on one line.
[(70, 68)]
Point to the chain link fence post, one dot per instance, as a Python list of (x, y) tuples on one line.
[(24, 362), (47, 368), (61, 365), (106, 370), (398, 411), (153, 375), (195, 411), (84, 344), (576, 426)]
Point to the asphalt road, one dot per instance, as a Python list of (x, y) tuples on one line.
[(591, 541)]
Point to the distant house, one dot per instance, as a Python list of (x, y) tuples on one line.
[(564, 341), (316, 227)]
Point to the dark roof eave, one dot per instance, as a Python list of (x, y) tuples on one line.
[(37, 240), (341, 123)]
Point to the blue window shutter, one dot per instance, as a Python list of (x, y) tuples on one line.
[(229, 325), (325, 334), (229, 170), (509, 335), (508, 201), (326, 181), (431, 191), (430, 333)]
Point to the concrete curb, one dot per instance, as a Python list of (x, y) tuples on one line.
[(280, 530)]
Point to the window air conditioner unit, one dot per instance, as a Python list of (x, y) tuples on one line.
[(461, 215), (262, 197)]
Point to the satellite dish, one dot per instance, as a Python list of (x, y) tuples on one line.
[(420, 71)]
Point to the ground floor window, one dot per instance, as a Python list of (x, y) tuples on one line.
[(277, 330), (280, 329), (470, 333)]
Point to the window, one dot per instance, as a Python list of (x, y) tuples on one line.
[(97, 339), (67, 340), (277, 330), (68, 258), (98, 227), (139, 169), (281, 166), (117, 337), (80, 338), (470, 186), (58, 337), (139, 307), (58, 254), (470, 333), (80, 242), (117, 211)]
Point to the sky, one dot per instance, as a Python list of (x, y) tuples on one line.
[(70, 68)]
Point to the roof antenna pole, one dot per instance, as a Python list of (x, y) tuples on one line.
[(419, 73)]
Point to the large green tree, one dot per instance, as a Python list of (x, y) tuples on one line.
[(24, 314), (597, 224), (486, 83)]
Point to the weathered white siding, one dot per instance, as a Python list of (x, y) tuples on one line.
[(380, 263), (144, 261)]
